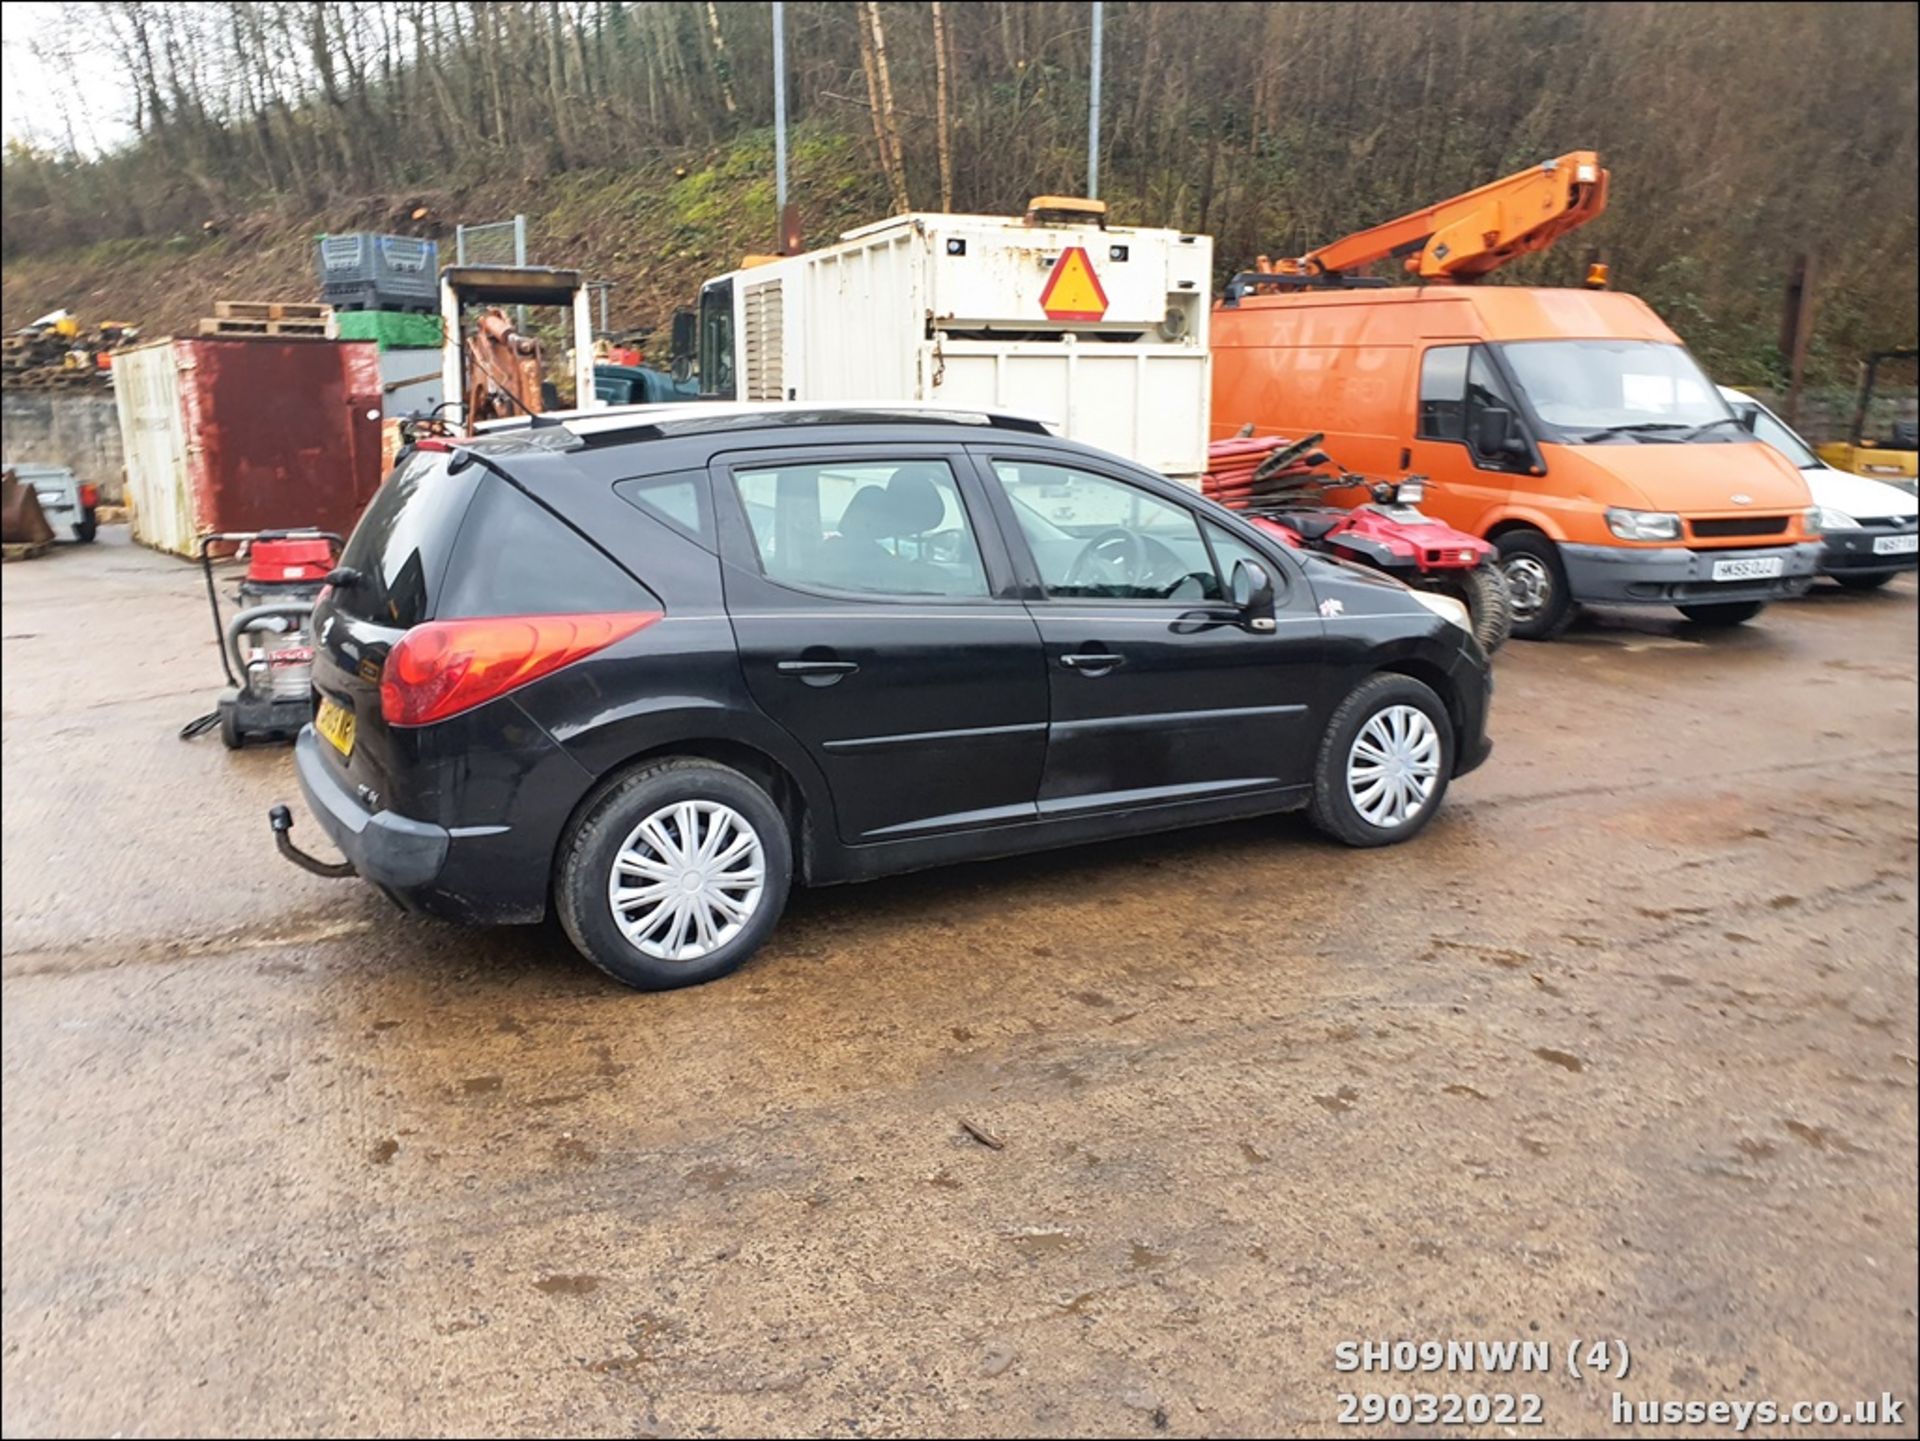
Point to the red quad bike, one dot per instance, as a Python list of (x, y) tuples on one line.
[(1281, 485)]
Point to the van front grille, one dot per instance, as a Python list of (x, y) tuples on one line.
[(1739, 526)]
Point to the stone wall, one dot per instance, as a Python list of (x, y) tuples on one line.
[(79, 429)]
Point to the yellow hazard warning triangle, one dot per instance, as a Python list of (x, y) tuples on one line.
[(1073, 291)]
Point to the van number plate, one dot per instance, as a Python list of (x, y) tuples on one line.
[(1759, 568), (1896, 544), (335, 722)]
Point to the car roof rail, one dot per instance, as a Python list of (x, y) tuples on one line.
[(633, 422)]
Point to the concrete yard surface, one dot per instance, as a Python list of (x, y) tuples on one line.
[(1623, 1048)]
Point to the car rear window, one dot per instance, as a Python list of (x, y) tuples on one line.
[(401, 545), (516, 557)]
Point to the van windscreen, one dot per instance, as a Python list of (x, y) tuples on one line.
[(1590, 390)]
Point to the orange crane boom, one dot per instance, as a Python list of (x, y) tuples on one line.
[(1463, 238)]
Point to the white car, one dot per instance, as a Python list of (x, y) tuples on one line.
[(1871, 529)]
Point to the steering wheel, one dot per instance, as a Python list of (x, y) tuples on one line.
[(1116, 556), (1124, 558)]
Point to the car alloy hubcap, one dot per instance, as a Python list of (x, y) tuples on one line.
[(1531, 585), (1393, 766), (687, 878)]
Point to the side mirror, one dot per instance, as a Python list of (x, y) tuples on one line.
[(1495, 435), (685, 342), (1253, 595)]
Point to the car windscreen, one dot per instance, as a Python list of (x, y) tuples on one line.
[(1593, 390)]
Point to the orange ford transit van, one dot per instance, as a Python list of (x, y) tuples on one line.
[(1569, 427)]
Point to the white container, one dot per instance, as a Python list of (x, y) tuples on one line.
[(153, 438), (950, 308)]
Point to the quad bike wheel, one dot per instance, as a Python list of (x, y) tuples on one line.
[(1483, 591)]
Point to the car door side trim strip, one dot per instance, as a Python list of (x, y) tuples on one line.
[(916, 738), (1170, 719)]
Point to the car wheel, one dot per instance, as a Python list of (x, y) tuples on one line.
[(675, 875), (1536, 585), (87, 527), (1383, 764), (1725, 613), (1865, 582)]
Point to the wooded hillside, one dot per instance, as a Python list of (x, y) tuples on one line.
[(635, 135)]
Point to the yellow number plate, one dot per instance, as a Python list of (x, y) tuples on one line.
[(335, 722)]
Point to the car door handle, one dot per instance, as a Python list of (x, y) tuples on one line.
[(1092, 661), (816, 667)]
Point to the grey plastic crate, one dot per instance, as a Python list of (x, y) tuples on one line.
[(378, 271)]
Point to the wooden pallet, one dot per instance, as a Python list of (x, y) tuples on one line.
[(229, 329), (271, 310), (25, 551)]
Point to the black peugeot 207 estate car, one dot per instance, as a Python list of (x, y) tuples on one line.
[(648, 669)]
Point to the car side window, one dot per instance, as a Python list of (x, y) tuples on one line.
[(678, 498), (1093, 537), (874, 526), (1229, 550), (1443, 393)]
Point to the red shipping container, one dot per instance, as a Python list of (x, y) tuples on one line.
[(247, 434)]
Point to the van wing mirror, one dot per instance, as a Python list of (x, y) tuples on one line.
[(1496, 436), (685, 340), (1253, 595)]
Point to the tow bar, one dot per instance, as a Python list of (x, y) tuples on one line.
[(281, 819)]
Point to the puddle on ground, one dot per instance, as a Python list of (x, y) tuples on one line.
[(1341, 1100), (1145, 1258), (568, 1285)]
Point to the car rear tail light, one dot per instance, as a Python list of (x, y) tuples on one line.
[(89, 496), (444, 667)]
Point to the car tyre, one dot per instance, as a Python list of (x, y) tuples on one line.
[(1388, 715), (640, 824), (1865, 582), (1725, 613), (87, 527), (1536, 585)]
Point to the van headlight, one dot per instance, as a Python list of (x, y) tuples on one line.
[(1447, 608), (1823, 517), (1643, 524)]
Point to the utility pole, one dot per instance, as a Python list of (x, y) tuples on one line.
[(1093, 112), (780, 105)]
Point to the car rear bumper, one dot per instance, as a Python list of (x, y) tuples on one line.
[(1851, 552), (1675, 575), (469, 873)]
